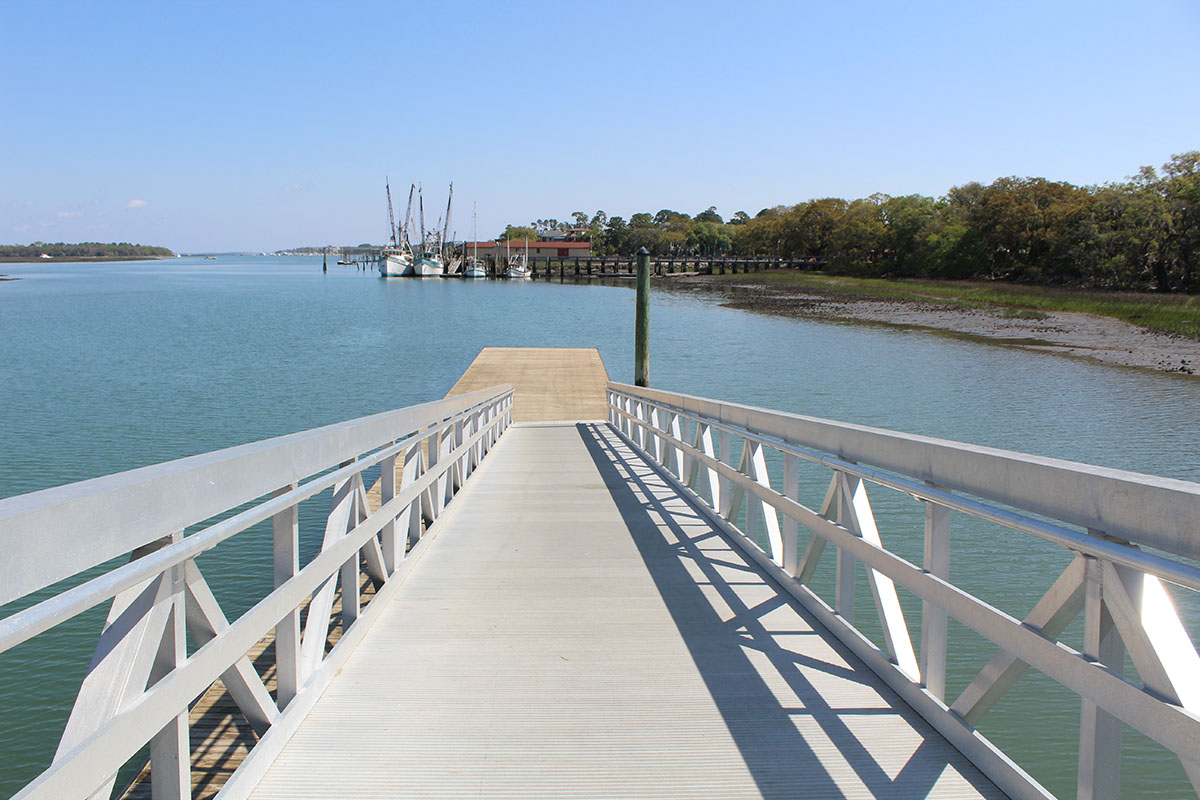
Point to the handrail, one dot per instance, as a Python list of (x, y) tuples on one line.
[(142, 677), (1143, 509), (39, 531), (1111, 582), (1179, 573), (26, 624)]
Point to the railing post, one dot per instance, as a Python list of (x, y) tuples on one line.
[(933, 618), (653, 443), (170, 748), (788, 529), (638, 434), (704, 436), (460, 465), (286, 540), (349, 571), (387, 491), (675, 430), (844, 595), (726, 484), (1099, 731)]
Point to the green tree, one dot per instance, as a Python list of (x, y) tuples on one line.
[(709, 238), (672, 219), (520, 233), (857, 239), (1180, 188)]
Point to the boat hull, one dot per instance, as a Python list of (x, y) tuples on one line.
[(474, 269), (394, 266), (425, 267)]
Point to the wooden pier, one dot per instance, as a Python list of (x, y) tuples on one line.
[(548, 267)]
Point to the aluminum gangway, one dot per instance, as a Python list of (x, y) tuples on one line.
[(570, 587)]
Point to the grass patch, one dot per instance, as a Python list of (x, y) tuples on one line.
[(1023, 313), (1167, 313)]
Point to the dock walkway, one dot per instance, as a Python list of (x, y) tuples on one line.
[(577, 629), (548, 584)]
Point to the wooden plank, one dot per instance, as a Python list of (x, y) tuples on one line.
[(550, 383)]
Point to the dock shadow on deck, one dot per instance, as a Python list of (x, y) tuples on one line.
[(807, 718)]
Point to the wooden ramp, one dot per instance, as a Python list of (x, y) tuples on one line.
[(576, 629), (549, 383)]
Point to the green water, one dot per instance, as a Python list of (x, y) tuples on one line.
[(106, 367)]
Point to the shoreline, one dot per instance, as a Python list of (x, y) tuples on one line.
[(1069, 333), (76, 259)]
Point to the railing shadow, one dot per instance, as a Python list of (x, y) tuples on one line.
[(782, 761)]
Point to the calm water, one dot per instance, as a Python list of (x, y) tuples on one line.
[(105, 367)]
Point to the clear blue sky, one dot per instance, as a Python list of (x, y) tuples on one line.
[(221, 126)]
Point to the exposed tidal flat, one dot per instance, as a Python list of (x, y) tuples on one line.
[(106, 367), (1093, 324)]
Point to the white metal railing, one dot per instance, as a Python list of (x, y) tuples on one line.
[(1103, 517), (142, 679)]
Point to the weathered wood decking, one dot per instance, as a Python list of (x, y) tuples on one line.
[(550, 383), (577, 629)]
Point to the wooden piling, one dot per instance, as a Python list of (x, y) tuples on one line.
[(641, 357)]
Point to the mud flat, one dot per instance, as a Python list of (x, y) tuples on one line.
[(1104, 339)]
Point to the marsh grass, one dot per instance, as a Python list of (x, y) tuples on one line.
[(1168, 313)]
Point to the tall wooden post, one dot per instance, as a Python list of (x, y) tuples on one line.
[(641, 357)]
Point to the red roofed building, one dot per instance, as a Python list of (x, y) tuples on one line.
[(540, 249)]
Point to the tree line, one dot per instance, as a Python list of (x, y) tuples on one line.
[(1142, 233), (83, 250)]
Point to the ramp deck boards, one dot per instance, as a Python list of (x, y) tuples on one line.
[(577, 629)]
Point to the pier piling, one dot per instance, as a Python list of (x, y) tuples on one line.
[(641, 358)]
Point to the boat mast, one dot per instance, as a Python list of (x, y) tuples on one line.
[(421, 211), (475, 232), (408, 216), (446, 228), (391, 217)]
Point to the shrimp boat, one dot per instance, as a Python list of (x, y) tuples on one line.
[(518, 264), (474, 267), (396, 260), (432, 260)]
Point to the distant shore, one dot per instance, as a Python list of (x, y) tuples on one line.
[(1081, 335), (69, 259)]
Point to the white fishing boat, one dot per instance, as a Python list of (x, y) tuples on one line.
[(474, 267), (431, 261), (518, 265), (428, 265), (396, 260), (396, 265)]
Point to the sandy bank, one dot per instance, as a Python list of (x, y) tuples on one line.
[(1105, 339)]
